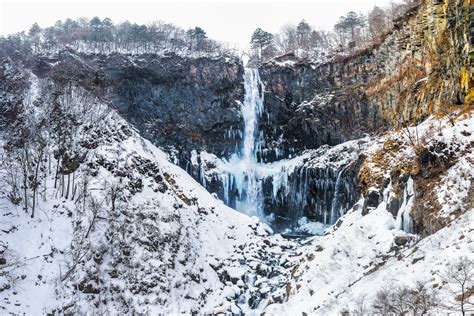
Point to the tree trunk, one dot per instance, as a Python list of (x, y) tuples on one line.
[(35, 185), (25, 190), (67, 188), (56, 174), (73, 185)]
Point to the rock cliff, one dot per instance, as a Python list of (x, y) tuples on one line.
[(419, 68), (183, 104)]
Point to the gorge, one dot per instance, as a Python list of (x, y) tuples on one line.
[(170, 175)]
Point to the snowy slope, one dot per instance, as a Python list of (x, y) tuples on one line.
[(145, 238), (360, 258), (363, 254), (122, 230)]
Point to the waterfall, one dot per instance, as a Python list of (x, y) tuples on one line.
[(335, 209), (283, 191), (251, 111), (404, 220), (242, 170)]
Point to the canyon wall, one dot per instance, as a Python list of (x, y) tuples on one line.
[(420, 68)]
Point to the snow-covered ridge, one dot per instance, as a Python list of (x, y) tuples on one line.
[(118, 228), (127, 231)]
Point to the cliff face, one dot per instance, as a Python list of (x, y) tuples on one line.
[(307, 105), (184, 103), (419, 68), (188, 104)]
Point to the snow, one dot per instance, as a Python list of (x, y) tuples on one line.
[(167, 246), (190, 228), (286, 63), (454, 189), (352, 263), (135, 49), (312, 228), (358, 256)]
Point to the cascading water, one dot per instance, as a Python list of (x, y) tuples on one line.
[(242, 174), (279, 192), (335, 208)]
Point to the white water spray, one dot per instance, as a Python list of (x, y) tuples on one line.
[(243, 176), (243, 168)]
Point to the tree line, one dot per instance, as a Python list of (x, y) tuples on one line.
[(352, 31), (103, 36)]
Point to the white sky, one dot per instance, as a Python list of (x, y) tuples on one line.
[(231, 21)]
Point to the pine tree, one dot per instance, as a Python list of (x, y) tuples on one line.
[(348, 26), (261, 42), (303, 32), (197, 38), (35, 35)]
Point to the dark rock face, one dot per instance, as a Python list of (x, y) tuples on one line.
[(307, 105), (188, 104), (184, 103)]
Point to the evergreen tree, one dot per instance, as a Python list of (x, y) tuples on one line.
[(95, 25), (303, 32), (35, 35), (106, 31), (261, 42), (197, 38), (347, 28)]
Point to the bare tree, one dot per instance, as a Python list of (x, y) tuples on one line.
[(402, 300), (35, 181), (459, 280), (422, 299), (378, 22), (361, 306), (12, 179), (285, 40), (382, 302)]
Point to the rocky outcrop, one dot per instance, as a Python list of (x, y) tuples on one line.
[(421, 67), (176, 102), (307, 106)]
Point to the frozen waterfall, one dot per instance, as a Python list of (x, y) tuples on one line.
[(284, 191), (242, 170)]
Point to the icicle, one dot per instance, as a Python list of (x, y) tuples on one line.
[(335, 211), (404, 220)]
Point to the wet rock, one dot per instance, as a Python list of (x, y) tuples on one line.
[(373, 199), (393, 206), (402, 240), (254, 300)]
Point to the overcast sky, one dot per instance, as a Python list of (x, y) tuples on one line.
[(232, 21)]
